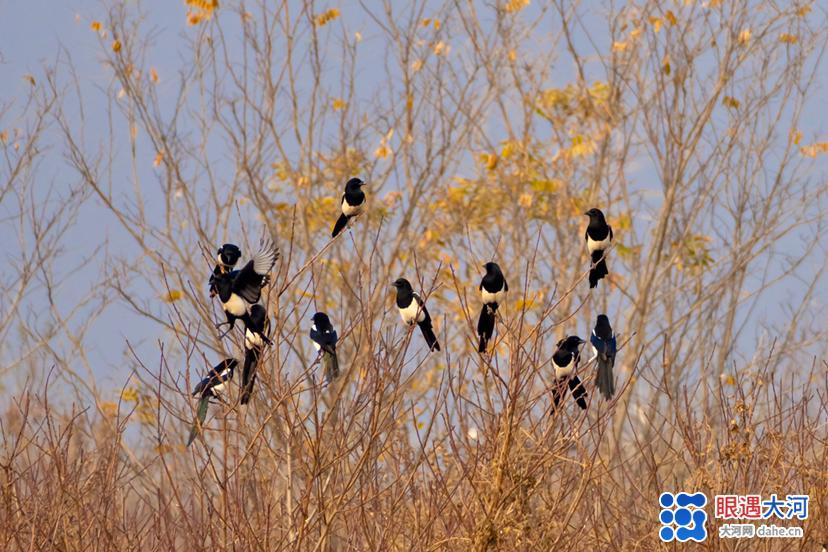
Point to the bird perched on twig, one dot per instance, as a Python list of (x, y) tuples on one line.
[(238, 290), (324, 338), (493, 288), (604, 347), (565, 361), (255, 340), (598, 237), (226, 258), (353, 203), (413, 311), (213, 385)]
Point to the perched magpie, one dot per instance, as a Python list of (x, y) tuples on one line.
[(598, 237), (255, 339), (493, 290), (603, 345), (213, 385), (413, 311), (238, 290), (565, 360), (324, 338), (353, 202)]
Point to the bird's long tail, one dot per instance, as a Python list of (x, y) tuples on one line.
[(201, 415), (341, 222), (251, 364), (485, 325), (428, 334), (605, 380), (597, 272), (330, 364), (578, 391)]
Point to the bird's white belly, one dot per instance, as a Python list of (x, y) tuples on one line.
[(219, 389), (252, 340), (412, 313), (563, 371), (316, 345), (351, 210), (593, 245), (235, 305), (496, 297)]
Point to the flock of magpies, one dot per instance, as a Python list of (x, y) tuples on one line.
[(240, 292)]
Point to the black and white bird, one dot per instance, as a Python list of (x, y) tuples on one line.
[(604, 348), (324, 339), (565, 361), (353, 203), (255, 340), (493, 288), (239, 290), (226, 258), (214, 384), (413, 311), (598, 237)]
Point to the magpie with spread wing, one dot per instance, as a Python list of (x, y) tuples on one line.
[(565, 360), (239, 290), (604, 348), (324, 339), (413, 311), (226, 258), (214, 384), (353, 203), (598, 237), (493, 290), (255, 340)]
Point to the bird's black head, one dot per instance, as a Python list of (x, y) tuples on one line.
[(595, 214), (571, 343), (321, 320), (602, 320), (354, 184), (229, 254), (401, 283), (492, 268)]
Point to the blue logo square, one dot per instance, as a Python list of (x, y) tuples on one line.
[(682, 517)]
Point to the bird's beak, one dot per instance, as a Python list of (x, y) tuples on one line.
[(587, 214)]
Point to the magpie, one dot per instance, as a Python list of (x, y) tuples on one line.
[(213, 385), (255, 339), (565, 360), (353, 202), (603, 346), (493, 290), (413, 311), (226, 258), (237, 291), (324, 338), (598, 237)]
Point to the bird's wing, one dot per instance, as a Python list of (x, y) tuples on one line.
[(610, 231), (266, 257), (597, 342), (505, 284)]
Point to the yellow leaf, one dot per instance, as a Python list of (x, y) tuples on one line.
[(109, 408), (382, 152), (30, 79), (814, 149), (796, 136), (508, 150), (788, 38), (416, 65), (744, 37), (116, 46), (153, 75), (440, 48), (172, 296), (158, 158), (489, 160), (513, 6), (671, 17), (525, 200), (665, 65), (339, 105), (358, 36), (581, 146), (512, 55), (326, 17), (731, 102), (437, 24), (4, 136), (656, 23), (546, 186), (96, 26), (425, 22), (728, 379), (636, 33), (129, 394), (803, 11), (619, 46)]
